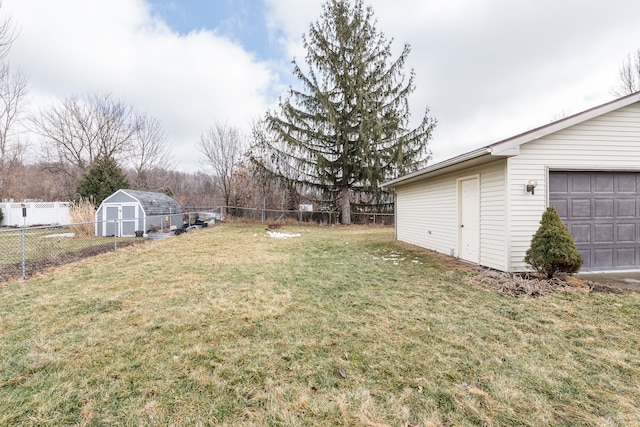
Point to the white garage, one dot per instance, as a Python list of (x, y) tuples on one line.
[(484, 206)]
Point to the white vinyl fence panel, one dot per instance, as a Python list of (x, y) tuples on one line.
[(38, 213)]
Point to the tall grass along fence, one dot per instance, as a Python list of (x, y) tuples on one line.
[(24, 251)]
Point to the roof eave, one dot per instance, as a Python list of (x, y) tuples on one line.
[(548, 129), (511, 146), (476, 157)]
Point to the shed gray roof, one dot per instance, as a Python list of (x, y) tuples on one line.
[(155, 203)]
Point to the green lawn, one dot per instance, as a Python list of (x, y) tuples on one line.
[(340, 326), (46, 246)]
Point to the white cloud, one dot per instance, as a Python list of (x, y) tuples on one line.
[(188, 82), (489, 69)]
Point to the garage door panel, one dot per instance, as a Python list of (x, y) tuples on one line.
[(626, 233), (627, 183), (603, 258), (626, 257), (580, 182), (627, 208), (604, 208), (603, 233), (581, 233), (580, 208), (562, 208), (602, 212), (603, 183), (559, 183), (586, 257)]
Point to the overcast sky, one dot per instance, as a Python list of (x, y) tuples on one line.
[(486, 69)]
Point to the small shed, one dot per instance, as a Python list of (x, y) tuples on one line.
[(485, 206), (126, 212)]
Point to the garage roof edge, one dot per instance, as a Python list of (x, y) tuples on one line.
[(510, 146), (422, 173)]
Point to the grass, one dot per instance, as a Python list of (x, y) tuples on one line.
[(341, 326), (49, 243)]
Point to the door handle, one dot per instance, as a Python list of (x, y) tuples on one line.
[(461, 225)]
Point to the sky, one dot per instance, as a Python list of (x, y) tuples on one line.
[(485, 69)]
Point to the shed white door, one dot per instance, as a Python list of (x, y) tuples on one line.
[(110, 223), (469, 220), (120, 220)]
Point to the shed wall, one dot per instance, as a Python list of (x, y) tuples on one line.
[(605, 143), (119, 197)]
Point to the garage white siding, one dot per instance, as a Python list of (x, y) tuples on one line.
[(427, 213), (493, 219), (605, 143)]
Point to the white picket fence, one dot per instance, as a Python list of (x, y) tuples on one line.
[(37, 213)]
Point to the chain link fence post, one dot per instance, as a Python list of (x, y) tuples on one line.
[(24, 270)]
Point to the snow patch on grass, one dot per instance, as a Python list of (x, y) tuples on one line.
[(48, 236), (276, 235), (394, 257)]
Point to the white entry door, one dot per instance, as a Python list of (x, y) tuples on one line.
[(469, 220)]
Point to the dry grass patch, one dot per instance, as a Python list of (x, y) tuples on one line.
[(524, 285), (82, 214), (341, 326)]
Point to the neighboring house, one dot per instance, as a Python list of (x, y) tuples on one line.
[(485, 206), (126, 212)]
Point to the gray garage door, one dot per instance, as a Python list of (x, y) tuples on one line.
[(602, 211)]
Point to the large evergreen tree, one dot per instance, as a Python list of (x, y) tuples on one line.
[(103, 179), (347, 129)]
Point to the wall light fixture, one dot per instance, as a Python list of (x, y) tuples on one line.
[(530, 187)]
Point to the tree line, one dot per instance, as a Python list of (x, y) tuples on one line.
[(332, 140)]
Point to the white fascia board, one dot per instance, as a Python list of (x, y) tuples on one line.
[(437, 168), (507, 144)]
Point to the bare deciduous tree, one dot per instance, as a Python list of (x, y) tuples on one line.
[(13, 88), (222, 146), (629, 74), (150, 155), (79, 130)]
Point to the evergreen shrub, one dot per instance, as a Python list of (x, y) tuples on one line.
[(552, 247)]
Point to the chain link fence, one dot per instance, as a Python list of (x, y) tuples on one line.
[(25, 251), (312, 217)]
